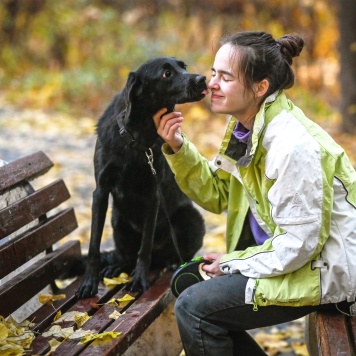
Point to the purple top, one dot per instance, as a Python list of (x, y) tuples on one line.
[(242, 134)]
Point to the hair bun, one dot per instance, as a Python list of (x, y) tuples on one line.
[(290, 46)]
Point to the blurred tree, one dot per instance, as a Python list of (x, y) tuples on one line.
[(347, 46)]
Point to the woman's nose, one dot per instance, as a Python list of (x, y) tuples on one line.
[(212, 84)]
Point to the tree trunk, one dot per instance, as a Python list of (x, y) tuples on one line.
[(347, 46)]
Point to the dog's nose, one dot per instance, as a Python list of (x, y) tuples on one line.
[(200, 79)]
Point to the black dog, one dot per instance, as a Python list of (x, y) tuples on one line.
[(147, 203)]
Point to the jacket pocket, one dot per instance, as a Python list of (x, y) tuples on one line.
[(299, 288)]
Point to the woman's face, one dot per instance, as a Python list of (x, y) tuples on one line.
[(228, 94)]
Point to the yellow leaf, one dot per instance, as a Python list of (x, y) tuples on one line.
[(101, 338), (25, 340), (78, 317), (53, 343), (57, 331), (121, 301), (58, 315), (81, 318), (122, 279), (11, 350), (49, 298), (3, 332), (115, 315), (78, 334), (300, 348)]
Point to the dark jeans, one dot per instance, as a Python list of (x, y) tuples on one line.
[(213, 318)]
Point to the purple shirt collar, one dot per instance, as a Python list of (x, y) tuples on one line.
[(241, 132)]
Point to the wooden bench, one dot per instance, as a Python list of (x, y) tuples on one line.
[(331, 334), (33, 224)]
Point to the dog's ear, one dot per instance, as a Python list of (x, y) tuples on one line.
[(133, 87), (129, 92)]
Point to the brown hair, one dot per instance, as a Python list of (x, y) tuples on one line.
[(261, 57)]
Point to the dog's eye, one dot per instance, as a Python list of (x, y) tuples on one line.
[(167, 74)]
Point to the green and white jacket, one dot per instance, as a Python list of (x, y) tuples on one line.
[(301, 188)]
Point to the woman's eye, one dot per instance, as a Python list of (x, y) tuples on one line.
[(167, 74)]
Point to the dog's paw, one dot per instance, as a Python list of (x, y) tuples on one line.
[(111, 271), (88, 287), (137, 285)]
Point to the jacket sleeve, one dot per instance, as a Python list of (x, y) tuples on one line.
[(195, 177), (296, 202)]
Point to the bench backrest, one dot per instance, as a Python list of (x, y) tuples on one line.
[(28, 227)]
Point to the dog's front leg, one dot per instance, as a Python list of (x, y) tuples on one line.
[(90, 282), (141, 280)]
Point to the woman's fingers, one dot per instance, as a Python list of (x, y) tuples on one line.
[(157, 116), (168, 127)]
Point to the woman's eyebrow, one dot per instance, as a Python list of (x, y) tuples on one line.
[(222, 71)]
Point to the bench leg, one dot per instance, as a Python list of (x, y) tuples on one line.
[(161, 338), (310, 334)]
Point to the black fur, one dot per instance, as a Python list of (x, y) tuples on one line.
[(140, 227)]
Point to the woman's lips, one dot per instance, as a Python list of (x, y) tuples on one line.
[(216, 96)]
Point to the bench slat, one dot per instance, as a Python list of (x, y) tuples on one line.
[(40, 345), (31, 207), (352, 335), (25, 168), (25, 285), (28, 245), (331, 334), (142, 313)]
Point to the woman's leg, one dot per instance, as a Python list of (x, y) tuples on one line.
[(213, 318)]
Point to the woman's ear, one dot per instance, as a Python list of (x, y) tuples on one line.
[(261, 88)]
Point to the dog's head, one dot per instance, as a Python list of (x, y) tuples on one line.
[(164, 82)]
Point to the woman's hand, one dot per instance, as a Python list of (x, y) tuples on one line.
[(168, 127), (213, 270)]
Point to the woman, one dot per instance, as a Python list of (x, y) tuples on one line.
[(289, 191)]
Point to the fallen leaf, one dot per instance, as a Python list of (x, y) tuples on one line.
[(59, 332), (78, 317), (49, 298), (81, 318), (3, 332), (100, 338), (115, 315), (53, 343), (300, 348), (25, 340), (58, 315), (121, 301), (11, 350), (80, 333), (123, 278), (14, 339)]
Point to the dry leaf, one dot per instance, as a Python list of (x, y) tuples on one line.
[(122, 279), (14, 339), (101, 338), (49, 298), (58, 315), (11, 350), (59, 332), (300, 348), (81, 318), (115, 315), (3, 332), (53, 343), (78, 334), (78, 317), (25, 340), (121, 301)]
